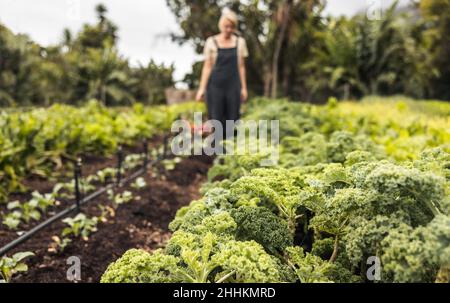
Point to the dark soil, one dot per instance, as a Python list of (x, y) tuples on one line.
[(141, 223)]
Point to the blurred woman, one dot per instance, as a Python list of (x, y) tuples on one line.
[(223, 81)]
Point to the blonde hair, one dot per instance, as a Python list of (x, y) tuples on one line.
[(228, 14)]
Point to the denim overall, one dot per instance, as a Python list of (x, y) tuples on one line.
[(223, 93)]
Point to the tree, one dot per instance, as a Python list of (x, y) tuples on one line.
[(359, 57), (436, 37), (267, 26), (150, 82)]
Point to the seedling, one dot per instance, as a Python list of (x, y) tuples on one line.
[(119, 199), (26, 210), (58, 244), (106, 212), (12, 220), (80, 225), (10, 266), (170, 164), (132, 161), (124, 197), (106, 174), (42, 201), (139, 183), (167, 165), (85, 186)]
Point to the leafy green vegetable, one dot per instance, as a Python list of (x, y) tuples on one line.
[(261, 225), (350, 184), (9, 266), (80, 225)]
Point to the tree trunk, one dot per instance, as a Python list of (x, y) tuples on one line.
[(346, 92), (286, 11), (103, 94), (286, 77), (267, 81)]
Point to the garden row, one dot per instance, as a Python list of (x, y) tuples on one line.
[(356, 185), (40, 141), (43, 198)]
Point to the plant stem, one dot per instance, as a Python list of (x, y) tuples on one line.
[(226, 276), (443, 275), (335, 249)]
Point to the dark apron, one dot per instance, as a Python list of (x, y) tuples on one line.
[(223, 93)]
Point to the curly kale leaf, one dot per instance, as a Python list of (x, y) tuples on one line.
[(417, 193), (246, 262), (309, 149), (362, 237), (436, 160), (310, 268), (418, 255), (208, 257), (270, 187), (405, 257), (220, 224), (138, 266), (334, 214), (261, 225), (188, 218), (342, 143), (359, 156)]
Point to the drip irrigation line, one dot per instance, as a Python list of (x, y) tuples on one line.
[(76, 207)]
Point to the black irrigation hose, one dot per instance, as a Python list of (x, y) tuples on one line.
[(27, 235), (36, 229)]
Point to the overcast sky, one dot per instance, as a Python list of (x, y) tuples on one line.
[(143, 24)]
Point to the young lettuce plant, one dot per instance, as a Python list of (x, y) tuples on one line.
[(170, 164), (139, 183), (119, 199), (106, 174), (28, 211), (106, 212), (69, 187), (80, 225), (9, 266), (59, 244), (133, 161), (43, 201), (12, 219)]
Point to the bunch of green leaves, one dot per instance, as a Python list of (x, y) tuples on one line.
[(120, 198), (80, 225), (139, 183), (9, 266), (59, 244), (30, 210)]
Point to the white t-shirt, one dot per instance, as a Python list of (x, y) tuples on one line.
[(210, 49)]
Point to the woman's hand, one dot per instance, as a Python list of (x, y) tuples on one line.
[(244, 95), (200, 95)]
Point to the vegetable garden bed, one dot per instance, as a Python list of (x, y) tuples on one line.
[(141, 223), (354, 182), (360, 193)]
